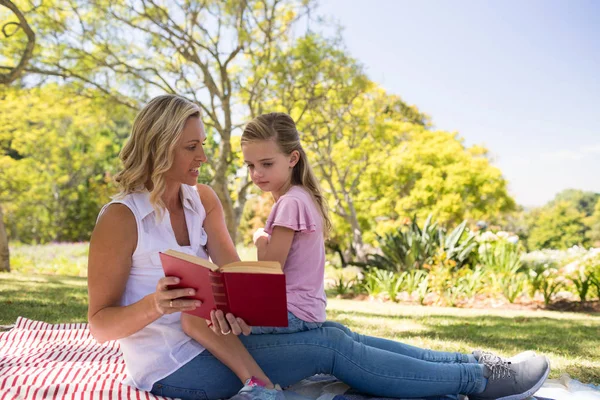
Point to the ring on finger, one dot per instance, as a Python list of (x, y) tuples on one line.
[(226, 333), (171, 303)]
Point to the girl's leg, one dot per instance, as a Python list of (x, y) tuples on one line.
[(305, 354), (287, 359), (404, 349)]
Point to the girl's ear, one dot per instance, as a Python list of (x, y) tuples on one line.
[(294, 158)]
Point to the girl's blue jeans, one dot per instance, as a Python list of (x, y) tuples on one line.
[(295, 324), (379, 367)]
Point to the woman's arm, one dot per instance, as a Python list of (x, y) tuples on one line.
[(277, 247), (112, 244)]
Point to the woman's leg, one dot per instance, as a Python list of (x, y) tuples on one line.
[(287, 359), (404, 349)]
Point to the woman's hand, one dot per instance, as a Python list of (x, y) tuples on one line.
[(168, 301), (225, 324)]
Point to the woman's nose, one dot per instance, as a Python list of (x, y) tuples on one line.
[(201, 156)]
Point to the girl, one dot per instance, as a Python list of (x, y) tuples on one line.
[(294, 233)]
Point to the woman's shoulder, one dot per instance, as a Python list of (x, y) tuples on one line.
[(208, 197), (116, 213), (116, 224)]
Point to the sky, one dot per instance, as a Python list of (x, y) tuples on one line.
[(521, 78)]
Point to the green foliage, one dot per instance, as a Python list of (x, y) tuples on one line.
[(67, 259), (500, 256), (342, 281), (570, 219), (594, 224), (57, 156), (584, 273), (415, 248), (433, 172), (409, 248)]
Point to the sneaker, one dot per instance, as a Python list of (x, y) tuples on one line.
[(481, 355), (507, 381)]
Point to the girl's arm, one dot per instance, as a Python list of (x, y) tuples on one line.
[(278, 247), (220, 246)]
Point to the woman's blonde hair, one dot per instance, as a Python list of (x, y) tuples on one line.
[(149, 152), (281, 128)]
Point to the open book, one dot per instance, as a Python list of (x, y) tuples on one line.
[(252, 290)]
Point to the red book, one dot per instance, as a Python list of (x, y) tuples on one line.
[(251, 290)]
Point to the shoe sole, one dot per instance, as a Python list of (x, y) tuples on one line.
[(531, 391)]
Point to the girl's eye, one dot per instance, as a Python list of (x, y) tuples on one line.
[(250, 166)]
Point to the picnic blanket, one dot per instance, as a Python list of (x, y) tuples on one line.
[(63, 361)]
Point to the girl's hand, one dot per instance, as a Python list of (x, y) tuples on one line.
[(260, 232), (225, 324), (168, 301)]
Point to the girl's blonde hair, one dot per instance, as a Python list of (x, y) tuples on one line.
[(149, 152), (281, 128)]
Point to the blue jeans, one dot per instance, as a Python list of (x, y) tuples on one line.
[(379, 367), (295, 324)]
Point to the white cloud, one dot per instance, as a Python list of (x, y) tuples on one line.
[(563, 155), (572, 155), (594, 149)]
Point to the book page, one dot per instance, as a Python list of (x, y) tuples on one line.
[(253, 267), (192, 259)]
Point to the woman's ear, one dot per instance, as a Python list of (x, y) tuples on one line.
[(294, 158)]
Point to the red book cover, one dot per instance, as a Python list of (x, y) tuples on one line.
[(258, 298)]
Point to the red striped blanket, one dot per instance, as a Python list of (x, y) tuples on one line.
[(44, 361)]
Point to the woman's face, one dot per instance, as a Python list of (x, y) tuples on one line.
[(189, 154)]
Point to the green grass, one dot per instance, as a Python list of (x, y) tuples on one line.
[(570, 340), (68, 259), (42, 297)]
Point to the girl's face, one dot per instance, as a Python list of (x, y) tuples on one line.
[(269, 168), (189, 153)]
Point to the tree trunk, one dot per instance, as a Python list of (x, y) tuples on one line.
[(4, 253), (357, 241)]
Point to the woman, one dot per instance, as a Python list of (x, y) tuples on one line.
[(160, 207)]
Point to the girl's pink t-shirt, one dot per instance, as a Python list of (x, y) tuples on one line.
[(304, 267)]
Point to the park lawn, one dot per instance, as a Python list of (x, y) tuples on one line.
[(570, 340)]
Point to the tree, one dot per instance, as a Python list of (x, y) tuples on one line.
[(582, 200), (594, 224), (559, 225), (208, 51), (57, 155), (433, 172), (12, 74), (565, 221), (9, 29)]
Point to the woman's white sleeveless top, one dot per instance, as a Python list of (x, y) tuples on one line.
[(162, 347)]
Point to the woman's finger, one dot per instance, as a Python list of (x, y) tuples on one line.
[(164, 283), (214, 323), (177, 293), (235, 327), (222, 323), (178, 305)]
